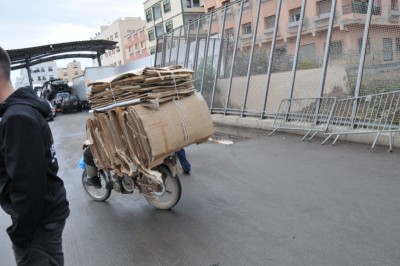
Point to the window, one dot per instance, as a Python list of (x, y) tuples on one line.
[(294, 14), (44, 78), (269, 22), (151, 35), (361, 7), (75, 66), (42, 69), (159, 30), (130, 49), (367, 49), (152, 51), (65, 74), (111, 37), (116, 35), (394, 5), (398, 44), (168, 26), (50, 68), (136, 47), (246, 28), (149, 16), (39, 78), (157, 11), (324, 6), (336, 49), (76, 73), (166, 6), (229, 33), (192, 3)]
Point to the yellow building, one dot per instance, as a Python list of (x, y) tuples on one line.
[(72, 70)]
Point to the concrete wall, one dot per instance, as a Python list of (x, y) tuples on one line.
[(306, 85)]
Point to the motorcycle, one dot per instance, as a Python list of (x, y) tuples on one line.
[(163, 193)]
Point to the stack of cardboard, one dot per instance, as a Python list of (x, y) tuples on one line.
[(148, 84), (169, 115)]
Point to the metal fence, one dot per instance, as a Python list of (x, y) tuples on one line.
[(377, 113), (250, 55), (308, 114)]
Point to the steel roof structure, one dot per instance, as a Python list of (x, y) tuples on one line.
[(26, 57)]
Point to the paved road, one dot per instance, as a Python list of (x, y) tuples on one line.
[(264, 201)]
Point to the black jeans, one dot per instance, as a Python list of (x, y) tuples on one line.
[(45, 249)]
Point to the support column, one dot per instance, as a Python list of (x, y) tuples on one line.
[(98, 59)]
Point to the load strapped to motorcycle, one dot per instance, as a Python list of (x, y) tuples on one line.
[(140, 119)]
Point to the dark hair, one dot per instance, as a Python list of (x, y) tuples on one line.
[(5, 64)]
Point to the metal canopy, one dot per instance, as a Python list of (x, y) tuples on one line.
[(25, 57)]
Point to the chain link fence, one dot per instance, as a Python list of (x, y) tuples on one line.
[(250, 55)]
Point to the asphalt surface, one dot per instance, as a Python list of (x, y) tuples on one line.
[(263, 201)]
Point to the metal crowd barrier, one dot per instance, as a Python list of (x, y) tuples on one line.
[(308, 114), (375, 113)]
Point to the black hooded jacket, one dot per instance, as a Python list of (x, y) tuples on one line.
[(30, 190)]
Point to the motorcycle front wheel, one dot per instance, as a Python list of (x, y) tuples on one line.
[(101, 194), (172, 194)]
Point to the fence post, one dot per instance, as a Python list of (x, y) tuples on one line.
[(246, 91), (296, 52), (196, 51), (221, 44), (170, 48), (271, 55), (362, 58), (178, 45), (234, 56), (326, 57), (206, 51), (186, 63)]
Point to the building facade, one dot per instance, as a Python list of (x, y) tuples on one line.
[(40, 73), (383, 43), (162, 16), (135, 44), (72, 70), (117, 31)]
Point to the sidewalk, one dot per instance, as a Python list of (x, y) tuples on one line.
[(266, 124)]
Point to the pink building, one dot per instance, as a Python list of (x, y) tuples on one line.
[(135, 44)]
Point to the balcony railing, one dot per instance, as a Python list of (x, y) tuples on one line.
[(360, 8)]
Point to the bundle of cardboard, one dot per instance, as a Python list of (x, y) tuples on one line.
[(147, 84), (168, 114)]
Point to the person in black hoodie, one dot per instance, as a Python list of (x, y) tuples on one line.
[(30, 190)]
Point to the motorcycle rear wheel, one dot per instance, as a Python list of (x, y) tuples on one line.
[(172, 194), (101, 194)]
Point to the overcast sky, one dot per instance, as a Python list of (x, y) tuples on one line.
[(26, 23)]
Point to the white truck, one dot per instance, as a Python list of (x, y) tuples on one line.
[(80, 86)]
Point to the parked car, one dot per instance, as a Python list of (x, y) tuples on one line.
[(52, 113), (71, 102), (57, 100)]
